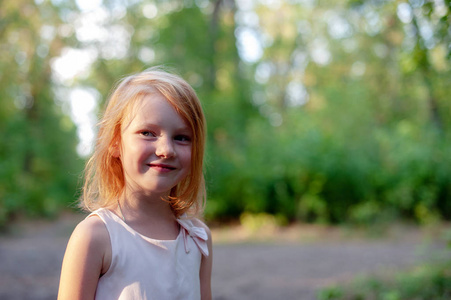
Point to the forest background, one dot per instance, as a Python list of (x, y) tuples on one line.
[(318, 111)]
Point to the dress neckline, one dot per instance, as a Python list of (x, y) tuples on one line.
[(131, 229)]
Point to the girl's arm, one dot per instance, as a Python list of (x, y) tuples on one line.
[(87, 257), (206, 268)]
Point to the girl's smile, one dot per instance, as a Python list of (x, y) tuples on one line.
[(163, 168)]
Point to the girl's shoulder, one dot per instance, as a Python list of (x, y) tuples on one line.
[(88, 252), (85, 259), (92, 230)]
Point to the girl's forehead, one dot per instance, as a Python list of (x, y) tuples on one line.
[(153, 107)]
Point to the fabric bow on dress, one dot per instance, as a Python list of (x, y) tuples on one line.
[(198, 234)]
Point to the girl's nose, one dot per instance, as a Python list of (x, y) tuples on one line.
[(165, 148)]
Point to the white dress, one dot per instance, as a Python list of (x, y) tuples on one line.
[(144, 268)]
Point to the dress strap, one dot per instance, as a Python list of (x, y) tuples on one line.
[(198, 234)]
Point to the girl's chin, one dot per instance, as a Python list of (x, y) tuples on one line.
[(153, 187), (161, 190)]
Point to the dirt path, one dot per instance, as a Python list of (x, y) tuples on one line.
[(285, 268)]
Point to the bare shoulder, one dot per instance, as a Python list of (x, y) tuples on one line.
[(91, 236), (86, 258), (91, 228)]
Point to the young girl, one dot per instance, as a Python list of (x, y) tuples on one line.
[(144, 185)]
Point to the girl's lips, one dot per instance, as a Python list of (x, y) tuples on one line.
[(162, 167)]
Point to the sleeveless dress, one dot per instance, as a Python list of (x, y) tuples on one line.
[(143, 268)]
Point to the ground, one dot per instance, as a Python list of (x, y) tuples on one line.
[(263, 263)]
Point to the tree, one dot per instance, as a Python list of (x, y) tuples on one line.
[(39, 165)]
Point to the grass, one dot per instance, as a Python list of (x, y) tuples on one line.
[(428, 282)]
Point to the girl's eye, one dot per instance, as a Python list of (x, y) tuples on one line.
[(147, 133), (182, 138)]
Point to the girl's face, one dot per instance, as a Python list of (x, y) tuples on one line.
[(155, 147)]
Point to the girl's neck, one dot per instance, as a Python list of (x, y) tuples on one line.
[(150, 216), (147, 206)]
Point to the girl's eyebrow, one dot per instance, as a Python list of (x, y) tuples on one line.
[(146, 124), (149, 124)]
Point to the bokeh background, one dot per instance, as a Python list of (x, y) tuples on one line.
[(330, 112), (318, 111)]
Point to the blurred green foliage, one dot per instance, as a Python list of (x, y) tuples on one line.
[(39, 167), (331, 111)]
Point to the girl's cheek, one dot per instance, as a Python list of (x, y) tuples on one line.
[(144, 146)]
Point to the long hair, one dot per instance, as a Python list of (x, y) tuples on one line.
[(104, 177)]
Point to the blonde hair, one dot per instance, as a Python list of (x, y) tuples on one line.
[(104, 179)]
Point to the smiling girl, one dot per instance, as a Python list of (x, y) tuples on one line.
[(144, 188)]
